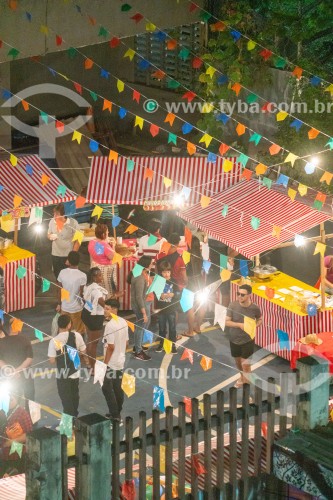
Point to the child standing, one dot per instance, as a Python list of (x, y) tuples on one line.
[(166, 306)]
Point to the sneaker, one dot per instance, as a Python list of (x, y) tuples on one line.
[(174, 350), (142, 356), (159, 348), (144, 348)]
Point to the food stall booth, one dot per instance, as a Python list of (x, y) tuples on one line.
[(258, 220), (28, 184), (153, 182)]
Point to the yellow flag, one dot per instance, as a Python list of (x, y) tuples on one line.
[(186, 257), (150, 27), (227, 165), (261, 169), (167, 346), (207, 139), (77, 136), (207, 107), (138, 122), (276, 232), (117, 259), (131, 229), (292, 193), (329, 89), (205, 201), (78, 236), (44, 29), (225, 275), (58, 345), (251, 45), (115, 317), (206, 363), (162, 459), (130, 53), (320, 248), (128, 384), (291, 158), (250, 326), (130, 325), (302, 189), (201, 407), (281, 115), (120, 85), (167, 182), (210, 71), (97, 211), (64, 294), (326, 177), (13, 160)]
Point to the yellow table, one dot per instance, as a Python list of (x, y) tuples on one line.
[(19, 292), (284, 315)]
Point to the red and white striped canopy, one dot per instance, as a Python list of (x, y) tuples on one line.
[(110, 183), (16, 181), (250, 199)]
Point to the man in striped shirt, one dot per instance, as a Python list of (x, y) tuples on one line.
[(151, 250)]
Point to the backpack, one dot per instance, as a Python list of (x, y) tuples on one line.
[(65, 366)]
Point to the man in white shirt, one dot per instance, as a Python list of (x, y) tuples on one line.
[(64, 350), (73, 280), (115, 345)]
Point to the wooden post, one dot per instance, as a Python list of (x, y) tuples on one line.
[(314, 379), (93, 449), (114, 229), (15, 231), (257, 260), (322, 268), (43, 475)]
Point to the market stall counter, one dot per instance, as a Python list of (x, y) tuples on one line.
[(286, 311), (19, 292)]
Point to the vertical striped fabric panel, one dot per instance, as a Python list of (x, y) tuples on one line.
[(20, 293)]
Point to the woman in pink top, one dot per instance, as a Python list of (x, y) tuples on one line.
[(101, 254)]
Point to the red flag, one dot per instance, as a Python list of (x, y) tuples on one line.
[(193, 7), (137, 17), (59, 126), (58, 40), (187, 354), (80, 201), (266, 54), (197, 466), (188, 237), (189, 96), (268, 106), (154, 129), (197, 63), (114, 42), (78, 87), (188, 405), (136, 96), (128, 490)]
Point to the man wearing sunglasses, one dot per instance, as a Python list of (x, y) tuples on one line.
[(241, 344)]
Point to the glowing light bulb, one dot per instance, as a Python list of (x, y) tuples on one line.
[(315, 161), (178, 200), (299, 240), (203, 295), (38, 228)]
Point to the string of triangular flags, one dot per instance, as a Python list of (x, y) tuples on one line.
[(255, 138)]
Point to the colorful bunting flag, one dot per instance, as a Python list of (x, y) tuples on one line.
[(320, 248), (113, 156), (128, 384), (187, 299), (206, 363), (204, 201), (158, 398), (283, 339), (187, 354)]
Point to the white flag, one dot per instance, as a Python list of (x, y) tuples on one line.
[(34, 409), (100, 370), (220, 315)]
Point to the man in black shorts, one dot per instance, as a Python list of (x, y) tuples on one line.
[(241, 344)]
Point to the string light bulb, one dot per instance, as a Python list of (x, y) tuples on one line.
[(203, 296), (299, 240), (178, 200), (38, 228)]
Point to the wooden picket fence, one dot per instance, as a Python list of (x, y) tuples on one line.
[(226, 453)]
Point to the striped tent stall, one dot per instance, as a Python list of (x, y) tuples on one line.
[(114, 184), (25, 180), (247, 200)]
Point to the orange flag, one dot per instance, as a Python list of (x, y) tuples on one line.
[(171, 44), (240, 129), (113, 156), (16, 325), (312, 134), (276, 232), (206, 363), (321, 197), (117, 259), (130, 325), (17, 201), (205, 201), (165, 247), (45, 179), (107, 105), (191, 148), (25, 105), (261, 169), (88, 63), (170, 118), (159, 74), (188, 236), (247, 174), (236, 88), (80, 201), (274, 149), (131, 229), (326, 177), (65, 294), (297, 72), (3, 261), (149, 174)]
